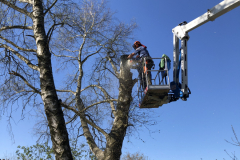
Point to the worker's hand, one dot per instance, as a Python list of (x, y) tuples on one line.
[(137, 56), (130, 55)]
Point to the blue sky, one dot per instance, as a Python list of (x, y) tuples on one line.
[(189, 130)]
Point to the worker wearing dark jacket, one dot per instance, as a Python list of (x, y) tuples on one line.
[(142, 52)]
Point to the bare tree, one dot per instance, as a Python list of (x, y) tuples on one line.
[(234, 142), (87, 44), (134, 156), (27, 55)]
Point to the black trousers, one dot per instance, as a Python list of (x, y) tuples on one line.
[(144, 79)]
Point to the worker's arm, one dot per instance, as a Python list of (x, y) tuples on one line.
[(131, 55)]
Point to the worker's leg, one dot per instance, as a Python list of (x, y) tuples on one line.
[(163, 74), (144, 81), (141, 77), (149, 75), (146, 77), (149, 78)]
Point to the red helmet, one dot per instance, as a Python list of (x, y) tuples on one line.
[(136, 43)]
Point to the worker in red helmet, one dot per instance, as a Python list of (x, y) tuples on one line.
[(141, 52)]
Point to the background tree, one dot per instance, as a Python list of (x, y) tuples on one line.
[(9, 156), (235, 142), (87, 43), (45, 152), (134, 156)]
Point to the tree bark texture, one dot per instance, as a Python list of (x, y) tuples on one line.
[(120, 124), (116, 136), (54, 113)]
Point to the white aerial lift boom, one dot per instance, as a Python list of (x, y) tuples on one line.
[(181, 33), (160, 93)]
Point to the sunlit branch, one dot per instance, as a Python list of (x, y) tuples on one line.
[(81, 48), (20, 48), (79, 81), (93, 21), (70, 108), (26, 91), (16, 27), (101, 88), (105, 101), (64, 56), (66, 49), (25, 81), (74, 93), (113, 66), (27, 1), (95, 126), (27, 61)]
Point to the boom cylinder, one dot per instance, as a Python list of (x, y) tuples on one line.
[(175, 58), (184, 67)]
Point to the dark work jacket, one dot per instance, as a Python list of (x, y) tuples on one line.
[(142, 52)]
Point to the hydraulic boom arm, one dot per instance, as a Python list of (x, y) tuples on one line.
[(225, 6), (180, 32)]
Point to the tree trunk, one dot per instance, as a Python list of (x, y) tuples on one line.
[(56, 122), (120, 124)]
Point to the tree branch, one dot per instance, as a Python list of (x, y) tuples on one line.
[(113, 66), (109, 58), (110, 71), (50, 31), (85, 119), (64, 56), (85, 59), (27, 1), (27, 61), (16, 27), (79, 81), (135, 81), (20, 48), (236, 142), (81, 48), (26, 82), (50, 7), (16, 8), (105, 94), (74, 93), (108, 100), (74, 118), (95, 126)]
